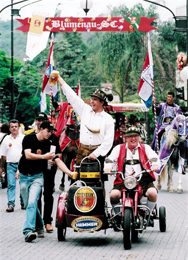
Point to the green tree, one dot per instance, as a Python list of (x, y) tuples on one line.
[(123, 53), (28, 93), (5, 63)]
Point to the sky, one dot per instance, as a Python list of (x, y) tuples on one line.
[(72, 7)]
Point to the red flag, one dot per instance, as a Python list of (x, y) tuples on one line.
[(146, 81), (78, 90)]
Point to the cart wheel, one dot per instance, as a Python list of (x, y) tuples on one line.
[(127, 225), (61, 233), (162, 219)]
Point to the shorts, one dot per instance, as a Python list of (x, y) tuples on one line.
[(146, 182)]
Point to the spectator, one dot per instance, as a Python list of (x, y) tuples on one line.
[(11, 151), (4, 132), (35, 153), (49, 177)]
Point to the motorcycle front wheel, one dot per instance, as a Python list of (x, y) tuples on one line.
[(162, 219), (127, 229)]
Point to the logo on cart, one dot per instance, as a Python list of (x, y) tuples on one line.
[(85, 199), (86, 224)]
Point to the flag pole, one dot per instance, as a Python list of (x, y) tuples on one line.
[(153, 94), (51, 93), (50, 110)]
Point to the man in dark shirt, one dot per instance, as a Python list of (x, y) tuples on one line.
[(49, 176), (35, 153), (33, 161), (49, 183)]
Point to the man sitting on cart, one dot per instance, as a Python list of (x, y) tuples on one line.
[(130, 157)]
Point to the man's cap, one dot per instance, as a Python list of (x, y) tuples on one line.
[(132, 131), (41, 115), (48, 125), (102, 96)]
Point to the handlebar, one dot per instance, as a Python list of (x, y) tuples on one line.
[(86, 157), (137, 176)]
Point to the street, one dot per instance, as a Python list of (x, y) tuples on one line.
[(152, 244)]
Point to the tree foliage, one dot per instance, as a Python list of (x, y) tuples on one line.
[(93, 58)]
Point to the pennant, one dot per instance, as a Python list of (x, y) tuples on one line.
[(146, 80), (46, 86), (36, 38)]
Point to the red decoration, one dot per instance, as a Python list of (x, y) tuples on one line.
[(181, 60), (72, 24)]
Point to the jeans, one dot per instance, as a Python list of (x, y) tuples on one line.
[(11, 183), (49, 178), (30, 189)]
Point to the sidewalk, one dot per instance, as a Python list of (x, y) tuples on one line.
[(170, 245)]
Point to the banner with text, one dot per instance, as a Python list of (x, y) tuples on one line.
[(38, 24)]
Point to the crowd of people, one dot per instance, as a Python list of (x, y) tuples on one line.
[(29, 157)]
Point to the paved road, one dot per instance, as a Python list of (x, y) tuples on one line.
[(171, 245)]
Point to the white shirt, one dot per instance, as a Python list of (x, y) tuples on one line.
[(130, 156), (12, 148), (94, 121), (1, 136)]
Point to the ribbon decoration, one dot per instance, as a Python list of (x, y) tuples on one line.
[(134, 21), (72, 24)]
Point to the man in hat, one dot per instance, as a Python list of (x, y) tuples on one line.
[(35, 153), (166, 113), (132, 157), (49, 176), (97, 126), (40, 117)]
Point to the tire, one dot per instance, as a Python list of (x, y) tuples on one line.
[(61, 233), (127, 229), (162, 219)]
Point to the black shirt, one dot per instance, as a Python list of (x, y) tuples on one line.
[(38, 147), (55, 141)]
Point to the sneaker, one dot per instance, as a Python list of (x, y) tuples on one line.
[(22, 206), (41, 234), (49, 227), (10, 209), (30, 237)]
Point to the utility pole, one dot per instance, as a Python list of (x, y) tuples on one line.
[(12, 62)]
